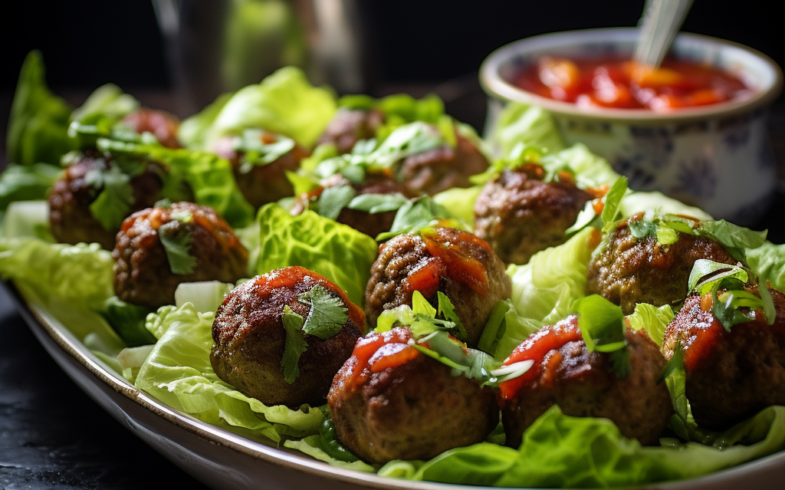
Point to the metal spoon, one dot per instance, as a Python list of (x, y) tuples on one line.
[(660, 22)]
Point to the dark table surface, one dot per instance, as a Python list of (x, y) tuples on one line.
[(52, 436)]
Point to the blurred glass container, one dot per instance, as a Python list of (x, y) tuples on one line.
[(218, 46)]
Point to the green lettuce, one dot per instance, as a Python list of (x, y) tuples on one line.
[(100, 113), (285, 102), (651, 319), (336, 251), (178, 372), (523, 123), (544, 290), (26, 182), (768, 261), (559, 451), (209, 177), (310, 445), (38, 124), (459, 202), (69, 282)]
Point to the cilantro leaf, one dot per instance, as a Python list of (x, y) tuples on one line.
[(602, 328), (259, 153), (177, 244), (733, 237), (447, 311), (613, 201), (328, 313), (413, 216), (294, 346), (333, 200), (113, 203), (378, 203)]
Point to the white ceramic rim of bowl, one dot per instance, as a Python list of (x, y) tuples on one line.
[(496, 86)]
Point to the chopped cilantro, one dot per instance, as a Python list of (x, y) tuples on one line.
[(602, 328), (333, 200), (447, 311), (177, 244), (328, 313), (294, 346), (113, 203)]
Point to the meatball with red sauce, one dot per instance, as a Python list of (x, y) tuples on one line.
[(640, 270), (583, 384), (350, 126), (389, 401), (518, 214), (159, 248), (442, 168), (731, 375), (374, 183), (456, 263), (70, 218), (161, 124), (250, 338), (261, 183)]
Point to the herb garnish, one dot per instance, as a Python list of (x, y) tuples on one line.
[(257, 152), (114, 202), (177, 244), (294, 346), (413, 216), (328, 313), (333, 200), (602, 328)]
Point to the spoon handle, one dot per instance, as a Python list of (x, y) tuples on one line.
[(660, 22)]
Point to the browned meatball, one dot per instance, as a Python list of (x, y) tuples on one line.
[(70, 217), (350, 126), (457, 263), (631, 271), (518, 214), (370, 224), (391, 402), (442, 168), (261, 184), (161, 124), (730, 375), (143, 272), (250, 337), (583, 384)]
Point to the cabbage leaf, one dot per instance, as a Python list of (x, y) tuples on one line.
[(522, 123)]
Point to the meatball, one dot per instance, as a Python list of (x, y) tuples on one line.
[(730, 375), (442, 168), (70, 217), (261, 184), (389, 401), (161, 124), (143, 272), (250, 337), (631, 271), (350, 126), (583, 384), (457, 263), (518, 214), (370, 224)]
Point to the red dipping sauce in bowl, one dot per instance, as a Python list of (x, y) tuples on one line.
[(620, 83)]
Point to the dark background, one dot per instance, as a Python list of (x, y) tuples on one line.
[(90, 42)]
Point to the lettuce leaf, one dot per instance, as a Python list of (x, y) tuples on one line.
[(26, 182), (209, 176), (523, 123), (544, 290), (336, 251), (100, 113), (69, 282), (310, 446), (38, 123), (651, 319), (81, 274), (768, 261), (459, 202), (285, 102), (178, 372)]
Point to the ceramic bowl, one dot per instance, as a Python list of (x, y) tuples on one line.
[(715, 157)]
